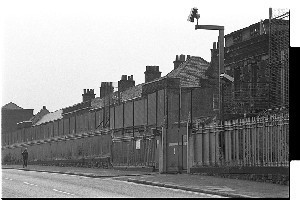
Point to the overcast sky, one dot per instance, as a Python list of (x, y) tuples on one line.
[(52, 50)]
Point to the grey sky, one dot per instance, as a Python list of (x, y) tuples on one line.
[(52, 50)]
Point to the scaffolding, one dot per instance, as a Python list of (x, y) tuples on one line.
[(279, 36)]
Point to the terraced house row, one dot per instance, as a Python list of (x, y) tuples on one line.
[(170, 123)]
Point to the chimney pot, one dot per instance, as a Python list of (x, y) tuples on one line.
[(44, 107), (188, 57)]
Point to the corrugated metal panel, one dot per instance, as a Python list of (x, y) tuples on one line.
[(9, 138), (36, 133), (61, 127), (72, 125), (44, 131), (185, 104), (86, 122), (152, 109), (92, 121), (112, 117), (160, 107), (106, 116), (22, 136), (66, 126), (27, 134), (50, 127), (119, 116), (128, 114), (47, 130), (82, 123), (32, 133), (19, 135), (14, 137), (173, 106), (139, 112), (99, 118), (55, 128), (4, 139), (79, 123)]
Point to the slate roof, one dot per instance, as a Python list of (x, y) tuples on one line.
[(129, 94), (132, 93), (190, 72), (50, 117), (36, 118)]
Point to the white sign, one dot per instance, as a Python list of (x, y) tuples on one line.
[(138, 144)]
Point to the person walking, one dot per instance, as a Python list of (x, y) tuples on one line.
[(25, 157)]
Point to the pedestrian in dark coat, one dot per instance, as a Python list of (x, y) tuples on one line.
[(25, 157)]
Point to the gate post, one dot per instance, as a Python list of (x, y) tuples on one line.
[(190, 153), (162, 151)]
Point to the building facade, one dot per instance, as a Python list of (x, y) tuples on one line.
[(260, 81), (120, 124)]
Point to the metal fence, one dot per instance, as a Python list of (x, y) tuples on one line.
[(261, 141)]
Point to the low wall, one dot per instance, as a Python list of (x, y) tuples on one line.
[(277, 175)]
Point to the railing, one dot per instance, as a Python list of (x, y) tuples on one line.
[(244, 142)]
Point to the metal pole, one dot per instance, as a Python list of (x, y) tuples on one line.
[(221, 70), (187, 146)]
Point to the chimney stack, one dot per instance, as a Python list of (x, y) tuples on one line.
[(179, 60), (152, 73), (88, 94), (213, 69), (214, 51), (106, 89), (125, 83)]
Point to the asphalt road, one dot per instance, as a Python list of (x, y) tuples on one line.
[(32, 184)]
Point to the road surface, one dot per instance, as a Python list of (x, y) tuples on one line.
[(32, 184)]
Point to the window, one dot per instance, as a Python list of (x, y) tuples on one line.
[(215, 102)]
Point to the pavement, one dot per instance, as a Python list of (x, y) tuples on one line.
[(230, 188)]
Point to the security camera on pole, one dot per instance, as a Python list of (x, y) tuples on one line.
[(194, 14)]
